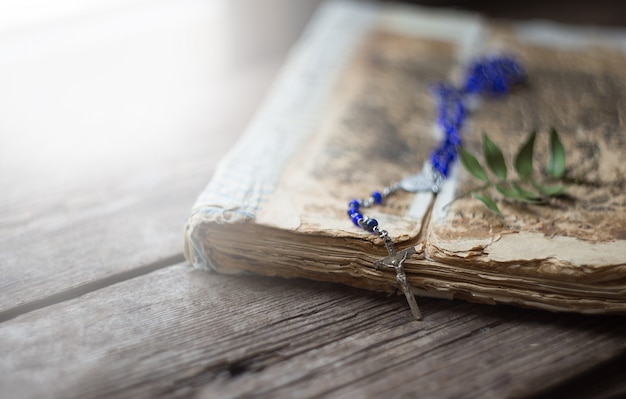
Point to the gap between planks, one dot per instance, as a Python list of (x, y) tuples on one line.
[(91, 286), (179, 331)]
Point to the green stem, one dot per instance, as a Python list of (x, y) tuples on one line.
[(465, 194)]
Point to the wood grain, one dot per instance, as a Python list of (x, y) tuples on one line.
[(58, 238), (178, 332), (92, 306)]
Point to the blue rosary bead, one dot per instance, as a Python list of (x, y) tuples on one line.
[(441, 159), (452, 138), (490, 75), (493, 76), (487, 76), (439, 162), (475, 82), (356, 218), (451, 113), (441, 168), (354, 205), (370, 225)]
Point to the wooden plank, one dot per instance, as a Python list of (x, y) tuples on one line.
[(73, 241), (61, 237), (178, 332), (135, 116), (87, 244)]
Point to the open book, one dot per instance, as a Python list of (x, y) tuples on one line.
[(351, 113)]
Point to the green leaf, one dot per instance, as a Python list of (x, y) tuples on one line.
[(472, 165), (556, 163), (493, 156), (524, 157), (528, 195), (551, 191), (517, 193), (508, 192), (489, 203)]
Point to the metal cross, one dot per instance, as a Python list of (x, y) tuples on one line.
[(395, 259)]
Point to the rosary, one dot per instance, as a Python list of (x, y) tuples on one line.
[(490, 76)]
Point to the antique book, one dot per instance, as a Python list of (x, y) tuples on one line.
[(351, 113)]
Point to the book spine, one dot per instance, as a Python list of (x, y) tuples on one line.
[(247, 175)]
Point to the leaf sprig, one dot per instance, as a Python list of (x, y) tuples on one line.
[(526, 187)]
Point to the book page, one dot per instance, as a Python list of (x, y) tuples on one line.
[(351, 114), (581, 92), (378, 127)]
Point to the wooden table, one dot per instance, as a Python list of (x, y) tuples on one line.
[(109, 128)]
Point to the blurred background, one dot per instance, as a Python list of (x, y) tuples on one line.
[(94, 90)]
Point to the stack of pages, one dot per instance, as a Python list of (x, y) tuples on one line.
[(351, 113)]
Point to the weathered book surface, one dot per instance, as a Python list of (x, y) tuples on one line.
[(351, 114)]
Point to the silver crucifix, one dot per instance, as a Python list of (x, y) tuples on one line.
[(395, 259)]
